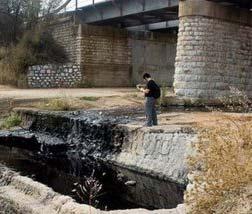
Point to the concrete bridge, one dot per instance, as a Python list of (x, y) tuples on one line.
[(114, 42)]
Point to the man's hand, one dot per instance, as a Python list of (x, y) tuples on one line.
[(139, 88), (142, 89)]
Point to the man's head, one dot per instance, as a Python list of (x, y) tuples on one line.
[(146, 77)]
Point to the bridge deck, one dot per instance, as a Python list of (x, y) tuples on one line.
[(126, 13), (147, 14)]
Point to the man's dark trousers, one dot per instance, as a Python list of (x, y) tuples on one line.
[(150, 111)]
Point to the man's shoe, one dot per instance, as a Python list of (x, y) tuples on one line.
[(147, 125)]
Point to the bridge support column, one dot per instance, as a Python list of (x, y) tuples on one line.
[(214, 51)]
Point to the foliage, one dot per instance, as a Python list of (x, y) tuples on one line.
[(237, 101), (17, 16), (92, 99), (12, 120), (23, 39), (49, 6), (35, 47), (63, 104), (89, 190), (221, 168)]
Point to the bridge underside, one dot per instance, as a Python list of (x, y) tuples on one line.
[(129, 13), (239, 3), (142, 18), (148, 15)]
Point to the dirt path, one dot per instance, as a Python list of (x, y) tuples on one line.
[(84, 98), (8, 92)]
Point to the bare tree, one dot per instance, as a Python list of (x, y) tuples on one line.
[(16, 16), (49, 6)]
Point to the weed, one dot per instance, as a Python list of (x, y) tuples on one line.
[(57, 105), (89, 190), (35, 47), (12, 120), (221, 168), (92, 99), (237, 101)]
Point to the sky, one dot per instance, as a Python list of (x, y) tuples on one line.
[(81, 3)]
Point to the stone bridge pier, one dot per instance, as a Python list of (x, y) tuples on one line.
[(214, 51)]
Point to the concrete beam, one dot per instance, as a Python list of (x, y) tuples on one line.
[(110, 10), (240, 3), (155, 26), (215, 10)]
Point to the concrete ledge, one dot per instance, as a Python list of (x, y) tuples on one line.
[(190, 102), (23, 195), (215, 10)]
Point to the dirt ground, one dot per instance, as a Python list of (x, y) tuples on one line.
[(79, 99), (124, 100), (199, 119), (14, 93)]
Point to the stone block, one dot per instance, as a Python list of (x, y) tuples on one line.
[(214, 59)]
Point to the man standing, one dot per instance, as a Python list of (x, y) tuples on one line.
[(152, 93)]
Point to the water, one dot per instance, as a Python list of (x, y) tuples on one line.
[(60, 149), (60, 173), (53, 174)]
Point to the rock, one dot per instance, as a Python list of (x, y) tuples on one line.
[(130, 183), (120, 176)]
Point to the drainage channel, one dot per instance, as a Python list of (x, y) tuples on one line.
[(60, 150), (61, 173)]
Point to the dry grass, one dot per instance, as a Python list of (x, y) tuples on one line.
[(35, 47), (13, 120), (65, 104), (6, 74), (222, 169), (91, 99), (237, 101)]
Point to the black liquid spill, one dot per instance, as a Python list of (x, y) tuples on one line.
[(59, 149)]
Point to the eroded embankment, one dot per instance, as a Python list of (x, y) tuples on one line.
[(155, 159)]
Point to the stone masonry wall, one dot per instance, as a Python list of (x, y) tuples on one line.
[(68, 74), (153, 53), (105, 56), (65, 32), (115, 57), (110, 57), (212, 55), (54, 76)]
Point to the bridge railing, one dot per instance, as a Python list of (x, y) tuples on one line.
[(75, 4)]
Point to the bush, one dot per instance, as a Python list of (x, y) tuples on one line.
[(237, 101), (58, 105), (12, 120), (221, 169), (91, 99), (35, 47), (42, 46)]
